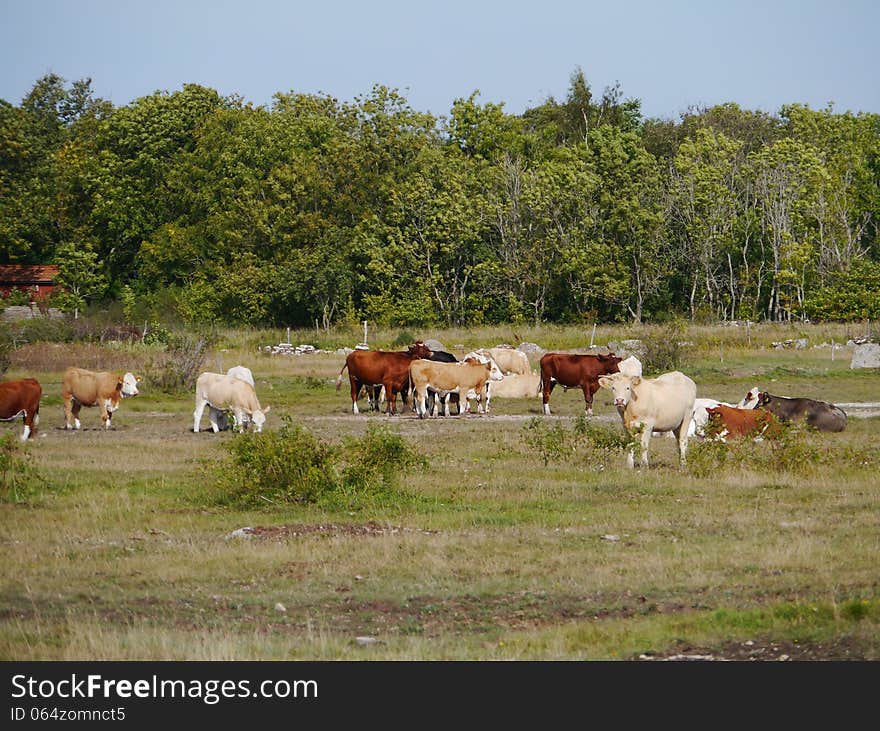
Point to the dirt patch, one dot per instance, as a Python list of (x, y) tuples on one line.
[(838, 649), (297, 530)]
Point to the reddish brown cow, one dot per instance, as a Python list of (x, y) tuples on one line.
[(21, 398), (381, 368), (571, 369), (728, 421)]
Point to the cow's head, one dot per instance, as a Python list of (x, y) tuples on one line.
[(419, 350), (258, 418), (128, 384), (622, 387), (763, 398), (750, 400), (610, 362)]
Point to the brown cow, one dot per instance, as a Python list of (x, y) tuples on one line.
[(381, 368), (21, 398), (729, 421), (572, 369), (103, 389)]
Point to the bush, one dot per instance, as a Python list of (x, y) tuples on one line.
[(180, 364), (19, 479), (598, 444), (379, 459), (294, 466), (663, 351), (287, 466)]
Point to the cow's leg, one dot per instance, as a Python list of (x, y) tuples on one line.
[(74, 410), (681, 435), (390, 398), (213, 415), (589, 390), (355, 391), (547, 385), (26, 432), (106, 415), (647, 431), (197, 414)]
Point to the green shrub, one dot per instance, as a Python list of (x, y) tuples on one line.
[(292, 465), (663, 351), (286, 466), (598, 444), (19, 479), (380, 457)]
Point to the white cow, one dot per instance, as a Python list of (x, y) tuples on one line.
[(220, 417), (226, 393), (750, 400), (518, 385), (242, 372), (508, 360), (631, 366), (646, 405)]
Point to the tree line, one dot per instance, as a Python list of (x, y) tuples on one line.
[(312, 211)]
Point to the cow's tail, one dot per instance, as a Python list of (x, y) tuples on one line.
[(339, 377)]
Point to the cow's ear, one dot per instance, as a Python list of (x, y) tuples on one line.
[(266, 409), (636, 380), (137, 379), (604, 381)]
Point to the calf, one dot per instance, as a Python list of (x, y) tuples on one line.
[(728, 421), (103, 389), (21, 398), (448, 377)]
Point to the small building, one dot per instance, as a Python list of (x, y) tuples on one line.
[(38, 279)]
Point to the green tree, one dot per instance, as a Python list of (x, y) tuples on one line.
[(79, 277)]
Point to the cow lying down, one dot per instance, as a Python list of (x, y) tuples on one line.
[(222, 393), (820, 415)]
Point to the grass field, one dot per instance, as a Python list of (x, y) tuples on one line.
[(512, 542)]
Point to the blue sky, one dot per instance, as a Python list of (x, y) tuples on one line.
[(670, 54)]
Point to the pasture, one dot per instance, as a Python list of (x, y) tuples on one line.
[(517, 539)]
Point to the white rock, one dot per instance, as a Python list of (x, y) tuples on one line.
[(280, 608), (366, 640), (866, 355), (246, 532)]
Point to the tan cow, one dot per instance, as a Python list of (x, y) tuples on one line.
[(509, 360), (227, 393), (646, 405), (448, 378), (518, 385), (103, 389)]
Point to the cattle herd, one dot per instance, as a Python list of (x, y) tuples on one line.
[(437, 380)]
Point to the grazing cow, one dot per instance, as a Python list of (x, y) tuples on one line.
[(570, 370), (646, 405), (220, 417), (381, 368), (103, 389), (518, 385), (730, 421), (508, 360), (21, 398), (819, 414), (449, 378), (227, 393)]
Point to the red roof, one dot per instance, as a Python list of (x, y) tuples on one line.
[(22, 274)]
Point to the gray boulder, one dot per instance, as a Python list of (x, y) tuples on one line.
[(866, 355)]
